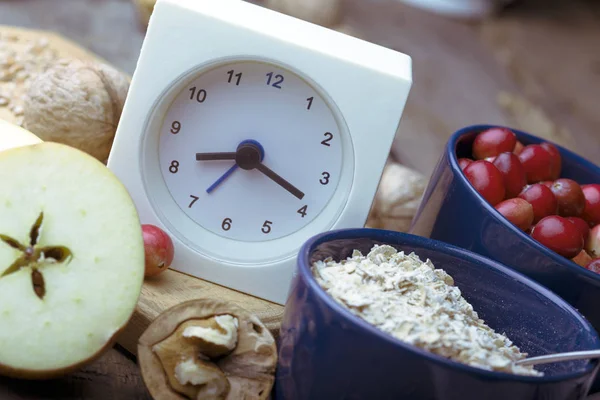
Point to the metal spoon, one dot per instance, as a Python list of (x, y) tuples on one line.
[(551, 358)]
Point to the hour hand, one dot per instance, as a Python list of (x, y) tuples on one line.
[(215, 156)]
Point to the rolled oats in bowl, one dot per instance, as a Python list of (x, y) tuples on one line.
[(418, 304)]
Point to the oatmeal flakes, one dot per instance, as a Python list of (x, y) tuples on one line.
[(418, 304)]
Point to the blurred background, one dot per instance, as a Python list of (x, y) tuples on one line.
[(529, 64)]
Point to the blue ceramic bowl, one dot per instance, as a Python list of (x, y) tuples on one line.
[(452, 211), (326, 352)]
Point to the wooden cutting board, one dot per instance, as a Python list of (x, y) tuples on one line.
[(168, 289)]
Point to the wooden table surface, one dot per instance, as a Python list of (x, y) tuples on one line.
[(535, 67)]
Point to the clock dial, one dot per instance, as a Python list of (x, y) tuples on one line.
[(250, 151)]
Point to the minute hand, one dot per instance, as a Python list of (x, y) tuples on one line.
[(280, 181)]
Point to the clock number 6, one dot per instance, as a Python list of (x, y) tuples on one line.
[(279, 80), (200, 96), (325, 179), (226, 224), (266, 228)]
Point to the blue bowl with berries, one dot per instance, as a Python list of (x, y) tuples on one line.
[(362, 329), (523, 201)]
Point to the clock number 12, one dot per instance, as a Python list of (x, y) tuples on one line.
[(278, 80)]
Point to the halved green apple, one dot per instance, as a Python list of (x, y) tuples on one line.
[(71, 259)]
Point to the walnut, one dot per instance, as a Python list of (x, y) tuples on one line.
[(207, 349), (397, 199), (321, 12), (78, 104)]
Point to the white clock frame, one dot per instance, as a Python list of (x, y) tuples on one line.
[(366, 84)]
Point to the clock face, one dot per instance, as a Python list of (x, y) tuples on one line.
[(250, 151)]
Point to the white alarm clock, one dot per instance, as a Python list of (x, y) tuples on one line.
[(247, 131)]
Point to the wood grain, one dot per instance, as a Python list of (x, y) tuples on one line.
[(172, 287)]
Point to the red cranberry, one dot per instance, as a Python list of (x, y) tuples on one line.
[(591, 211), (514, 173), (463, 162), (517, 211), (492, 142), (559, 235), (594, 265), (487, 180), (556, 159), (569, 195), (582, 226), (537, 163), (542, 199)]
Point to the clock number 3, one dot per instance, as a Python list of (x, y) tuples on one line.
[(325, 179), (278, 80)]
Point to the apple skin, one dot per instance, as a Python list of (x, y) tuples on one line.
[(71, 186), (592, 244)]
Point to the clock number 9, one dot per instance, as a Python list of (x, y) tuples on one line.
[(200, 96), (325, 179), (175, 127), (279, 80), (266, 228), (226, 224)]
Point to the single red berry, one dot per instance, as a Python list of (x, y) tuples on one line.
[(159, 251), (542, 200), (492, 142), (582, 227), (514, 173), (570, 197), (556, 163), (463, 162), (559, 235), (518, 211), (594, 265), (487, 180), (591, 211), (537, 163)]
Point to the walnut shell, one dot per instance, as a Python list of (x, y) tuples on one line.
[(321, 12), (397, 199), (78, 104), (249, 368)]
